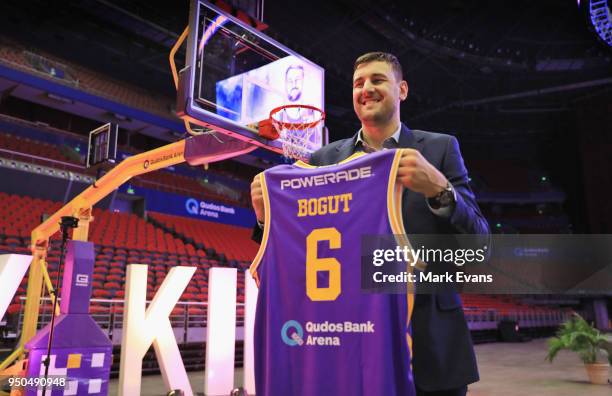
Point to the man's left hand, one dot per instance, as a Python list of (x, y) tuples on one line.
[(417, 174)]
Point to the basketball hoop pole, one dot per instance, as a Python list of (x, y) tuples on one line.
[(80, 207)]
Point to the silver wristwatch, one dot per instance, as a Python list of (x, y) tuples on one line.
[(445, 198)]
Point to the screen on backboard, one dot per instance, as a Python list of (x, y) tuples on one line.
[(234, 75), (249, 97)]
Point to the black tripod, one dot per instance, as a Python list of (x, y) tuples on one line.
[(66, 224)]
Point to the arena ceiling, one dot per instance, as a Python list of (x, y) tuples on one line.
[(469, 63)]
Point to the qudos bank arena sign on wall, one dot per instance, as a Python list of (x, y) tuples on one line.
[(205, 209), (181, 205)]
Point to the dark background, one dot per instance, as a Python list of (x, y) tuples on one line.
[(524, 85)]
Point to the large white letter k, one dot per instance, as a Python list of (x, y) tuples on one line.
[(141, 329)]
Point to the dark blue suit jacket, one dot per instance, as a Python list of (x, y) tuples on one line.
[(443, 355)]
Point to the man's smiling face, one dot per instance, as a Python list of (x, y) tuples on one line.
[(377, 92)]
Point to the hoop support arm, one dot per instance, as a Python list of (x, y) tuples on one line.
[(80, 206), (139, 164)]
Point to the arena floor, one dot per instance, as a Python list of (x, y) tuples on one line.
[(505, 369), (509, 369)]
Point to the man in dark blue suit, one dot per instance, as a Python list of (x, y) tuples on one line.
[(437, 200)]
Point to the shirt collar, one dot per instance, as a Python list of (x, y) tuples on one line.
[(395, 137)]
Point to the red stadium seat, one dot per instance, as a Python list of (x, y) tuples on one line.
[(195, 310), (116, 270), (102, 293), (99, 309), (13, 309), (114, 278), (99, 277), (112, 285), (188, 296)]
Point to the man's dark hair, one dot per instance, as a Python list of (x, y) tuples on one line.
[(381, 57)]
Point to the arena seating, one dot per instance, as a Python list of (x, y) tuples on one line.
[(502, 304), (14, 54), (120, 239), (234, 242), (484, 313), (235, 173), (161, 180), (185, 185), (34, 147), (20, 215)]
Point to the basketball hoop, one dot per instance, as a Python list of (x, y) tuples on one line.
[(299, 127)]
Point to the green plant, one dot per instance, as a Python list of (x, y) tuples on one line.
[(577, 335)]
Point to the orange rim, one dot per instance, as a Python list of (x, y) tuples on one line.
[(295, 125)]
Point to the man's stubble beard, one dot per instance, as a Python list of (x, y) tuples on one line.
[(378, 118)]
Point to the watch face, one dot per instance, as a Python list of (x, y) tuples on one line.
[(446, 198)]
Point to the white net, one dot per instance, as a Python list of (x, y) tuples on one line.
[(300, 129)]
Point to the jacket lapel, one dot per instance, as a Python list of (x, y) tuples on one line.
[(346, 149), (410, 139)]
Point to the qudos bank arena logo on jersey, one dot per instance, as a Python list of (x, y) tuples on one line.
[(192, 206), (292, 333), (322, 333)]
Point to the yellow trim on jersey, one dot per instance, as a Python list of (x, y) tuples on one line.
[(394, 210), (266, 230), (353, 156), (394, 202), (302, 164), (392, 197)]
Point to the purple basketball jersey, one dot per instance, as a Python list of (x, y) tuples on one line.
[(316, 332)]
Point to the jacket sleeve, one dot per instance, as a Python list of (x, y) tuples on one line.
[(257, 233)]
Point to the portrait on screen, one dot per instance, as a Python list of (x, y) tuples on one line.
[(249, 97)]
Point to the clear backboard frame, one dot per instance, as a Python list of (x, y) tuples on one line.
[(211, 32), (102, 145)]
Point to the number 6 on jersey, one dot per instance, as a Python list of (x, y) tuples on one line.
[(314, 264)]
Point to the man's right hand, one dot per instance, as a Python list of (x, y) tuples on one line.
[(257, 199)]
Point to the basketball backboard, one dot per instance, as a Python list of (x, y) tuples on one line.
[(102, 146), (235, 75)]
